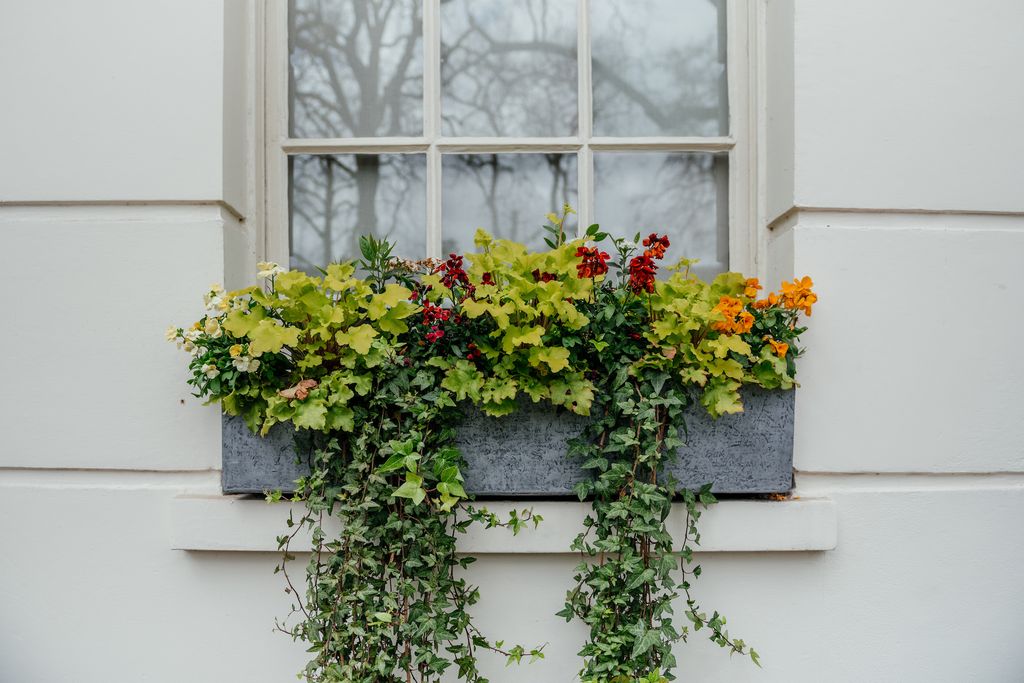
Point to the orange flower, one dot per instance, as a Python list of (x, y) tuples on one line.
[(798, 295), (780, 348), (743, 323), (771, 300), (751, 287), (729, 307), (737, 319)]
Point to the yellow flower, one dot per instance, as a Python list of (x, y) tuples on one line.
[(751, 287), (212, 328), (780, 348), (268, 269), (235, 350)]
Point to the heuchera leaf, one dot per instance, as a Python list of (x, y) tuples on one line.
[(269, 337), (358, 338), (556, 357)]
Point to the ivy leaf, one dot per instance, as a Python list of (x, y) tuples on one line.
[(358, 338), (645, 642), (411, 489)]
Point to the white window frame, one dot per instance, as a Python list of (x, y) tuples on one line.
[(744, 22)]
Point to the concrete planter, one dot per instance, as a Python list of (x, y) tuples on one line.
[(524, 454)]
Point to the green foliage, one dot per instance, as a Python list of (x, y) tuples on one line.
[(373, 372)]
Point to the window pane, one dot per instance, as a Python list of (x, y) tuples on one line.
[(506, 194), (508, 67), (659, 67), (337, 198), (356, 68), (682, 194)]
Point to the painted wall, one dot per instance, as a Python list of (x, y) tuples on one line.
[(893, 156)]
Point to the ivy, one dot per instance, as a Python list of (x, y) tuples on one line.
[(373, 373)]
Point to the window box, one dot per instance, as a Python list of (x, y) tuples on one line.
[(524, 454)]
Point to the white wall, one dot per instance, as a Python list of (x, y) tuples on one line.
[(909, 417)]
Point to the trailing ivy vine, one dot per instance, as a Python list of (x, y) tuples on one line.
[(372, 361)]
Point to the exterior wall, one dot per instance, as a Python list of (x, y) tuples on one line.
[(881, 121)]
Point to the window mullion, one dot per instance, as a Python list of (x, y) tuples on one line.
[(585, 162), (432, 120)]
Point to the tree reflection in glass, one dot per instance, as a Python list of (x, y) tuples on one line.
[(336, 198), (506, 194)]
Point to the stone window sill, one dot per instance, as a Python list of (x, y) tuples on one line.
[(246, 524)]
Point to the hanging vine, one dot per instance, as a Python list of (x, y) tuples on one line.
[(373, 370)]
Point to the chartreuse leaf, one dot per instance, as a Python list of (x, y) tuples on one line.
[(269, 336), (358, 338), (555, 357), (726, 343), (722, 396), (574, 392), (391, 296), (239, 322), (464, 380), (310, 413), (526, 335), (393, 319)]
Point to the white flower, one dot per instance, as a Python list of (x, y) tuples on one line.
[(268, 269), (245, 364), (216, 305), (171, 334), (210, 371), (192, 335), (212, 328), (189, 346)]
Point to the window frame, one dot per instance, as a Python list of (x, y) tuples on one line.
[(747, 237)]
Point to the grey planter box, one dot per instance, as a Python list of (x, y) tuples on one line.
[(524, 454)]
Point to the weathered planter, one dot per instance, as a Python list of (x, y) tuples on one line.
[(524, 454)]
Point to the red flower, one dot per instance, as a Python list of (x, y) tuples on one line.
[(487, 279), (593, 263), (543, 277), (434, 334), (641, 273), (433, 313), (452, 272), (656, 246)]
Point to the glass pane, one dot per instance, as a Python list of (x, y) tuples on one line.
[(683, 195), (659, 67), (337, 198), (506, 194), (508, 67), (356, 68)]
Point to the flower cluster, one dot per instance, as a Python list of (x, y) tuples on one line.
[(538, 276), (593, 262), (737, 320), (798, 295), (452, 272), (642, 268)]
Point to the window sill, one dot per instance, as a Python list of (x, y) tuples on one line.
[(233, 523)]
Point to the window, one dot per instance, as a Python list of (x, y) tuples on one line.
[(425, 119)]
